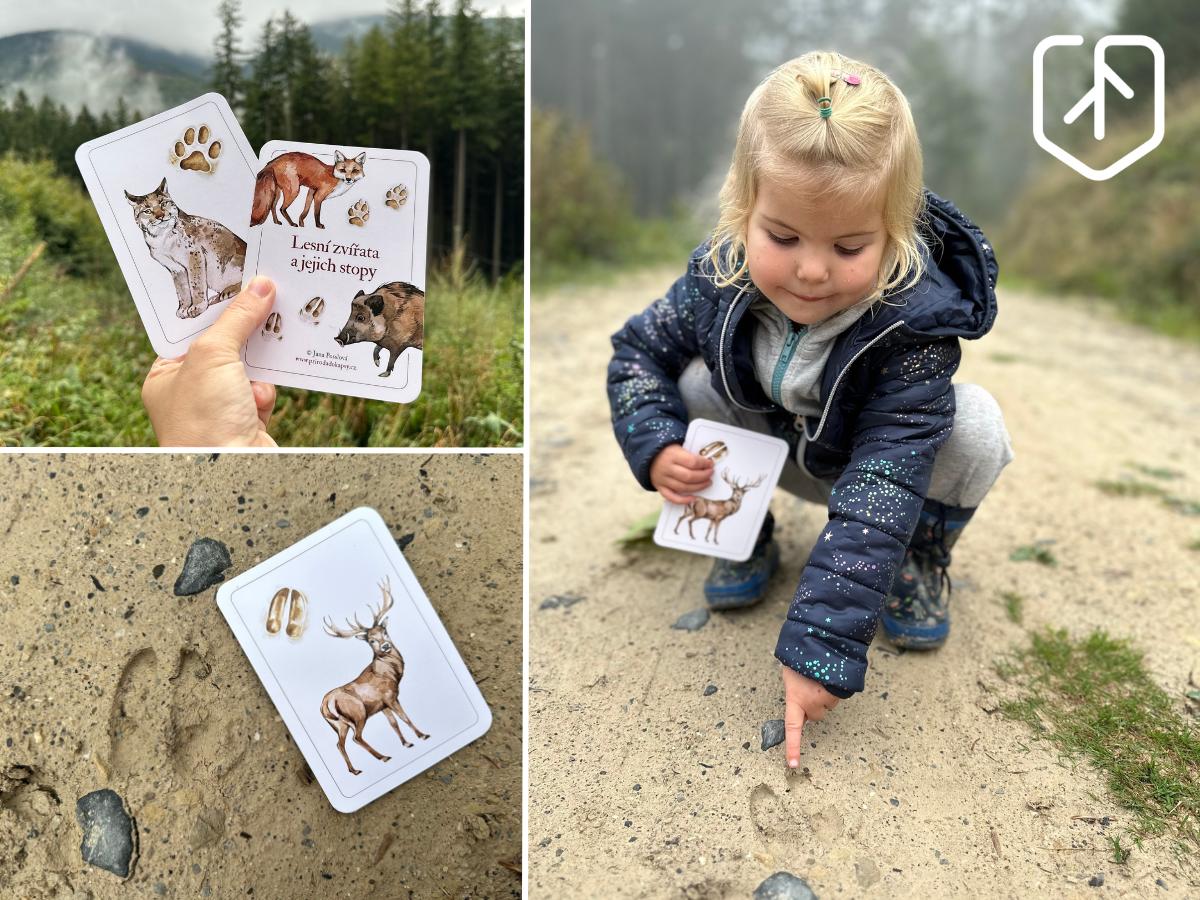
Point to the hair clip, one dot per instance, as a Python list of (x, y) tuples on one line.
[(825, 105), (849, 77)]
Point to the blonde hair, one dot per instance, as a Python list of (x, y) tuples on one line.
[(868, 142)]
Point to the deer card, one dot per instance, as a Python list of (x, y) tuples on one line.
[(726, 516), (355, 659), (342, 232), (173, 193)]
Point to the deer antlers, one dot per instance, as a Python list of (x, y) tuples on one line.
[(741, 487), (358, 628)]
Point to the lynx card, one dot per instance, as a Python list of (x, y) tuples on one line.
[(725, 517), (173, 193), (355, 659), (342, 232)]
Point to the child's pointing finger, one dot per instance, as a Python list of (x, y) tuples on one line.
[(793, 730)]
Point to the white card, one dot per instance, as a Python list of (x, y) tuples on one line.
[(191, 173), (284, 612), (350, 302), (726, 517)]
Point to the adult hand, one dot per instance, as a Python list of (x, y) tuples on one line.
[(204, 398), (678, 474), (804, 699)]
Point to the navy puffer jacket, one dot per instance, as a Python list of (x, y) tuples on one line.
[(887, 405)]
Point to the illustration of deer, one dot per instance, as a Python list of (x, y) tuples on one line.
[(350, 705), (716, 511)]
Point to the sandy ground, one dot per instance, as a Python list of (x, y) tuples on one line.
[(108, 679), (642, 786)]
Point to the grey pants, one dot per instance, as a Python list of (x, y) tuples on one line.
[(964, 469)]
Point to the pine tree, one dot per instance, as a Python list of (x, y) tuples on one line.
[(226, 73)]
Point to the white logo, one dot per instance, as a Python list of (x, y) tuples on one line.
[(1103, 76)]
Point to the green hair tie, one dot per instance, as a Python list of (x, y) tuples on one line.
[(825, 105)]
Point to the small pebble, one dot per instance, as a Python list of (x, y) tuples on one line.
[(784, 886), (404, 540), (692, 621), (894, 802), (710, 690), (109, 832), (1096, 880), (561, 600), (772, 734), (203, 567), (142, 512), (158, 570)]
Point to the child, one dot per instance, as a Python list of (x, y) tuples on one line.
[(826, 309)]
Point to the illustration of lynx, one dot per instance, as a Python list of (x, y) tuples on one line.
[(202, 255)]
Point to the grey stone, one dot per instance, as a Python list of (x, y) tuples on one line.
[(710, 690), (556, 601), (110, 838), (203, 567), (784, 886), (772, 733), (692, 621), (1096, 880)]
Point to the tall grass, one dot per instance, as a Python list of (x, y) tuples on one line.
[(76, 354)]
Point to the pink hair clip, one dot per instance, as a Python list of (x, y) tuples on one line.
[(849, 77)]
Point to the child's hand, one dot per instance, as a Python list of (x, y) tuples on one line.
[(204, 399), (678, 474), (804, 699)]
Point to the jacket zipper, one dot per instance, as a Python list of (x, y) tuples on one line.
[(721, 358), (785, 359), (838, 380)]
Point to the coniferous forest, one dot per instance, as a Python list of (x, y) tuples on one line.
[(445, 82)]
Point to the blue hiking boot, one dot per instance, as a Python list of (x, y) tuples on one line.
[(734, 585), (916, 613)]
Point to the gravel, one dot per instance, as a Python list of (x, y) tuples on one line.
[(109, 832), (784, 886), (692, 621)]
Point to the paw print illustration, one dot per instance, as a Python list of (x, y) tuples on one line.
[(312, 310), (359, 213), (195, 151), (396, 197), (273, 327)]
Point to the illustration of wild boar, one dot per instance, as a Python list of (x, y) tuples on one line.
[(392, 317)]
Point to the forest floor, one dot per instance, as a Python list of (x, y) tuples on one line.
[(644, 784)]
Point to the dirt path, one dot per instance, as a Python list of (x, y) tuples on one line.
[(643, 786), (107, 679)]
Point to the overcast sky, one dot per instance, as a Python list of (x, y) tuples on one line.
[(188, 26)]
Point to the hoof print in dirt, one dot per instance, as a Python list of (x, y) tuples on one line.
[(359, 213), (110, 839), (772, 735), (784, 886), (692, 621), (203, 567)]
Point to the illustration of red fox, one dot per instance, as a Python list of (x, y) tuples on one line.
[(286, 174)]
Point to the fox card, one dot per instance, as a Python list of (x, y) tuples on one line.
[(355, 659), (724, 519), (342, 232), (173, 193)]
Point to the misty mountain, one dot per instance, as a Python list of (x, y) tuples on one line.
[(76, 68)]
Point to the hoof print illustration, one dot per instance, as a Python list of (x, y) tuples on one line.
[(195, 151), (312, 310), (297, 612), (273, 327), (716, 511), (359, 213), (396, 197), (715, 450), (348, 707)]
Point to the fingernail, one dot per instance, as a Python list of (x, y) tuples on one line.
[(260, 286), (793, 763)]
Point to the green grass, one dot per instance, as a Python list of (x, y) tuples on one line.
[(1034, 553), (1156, 471), (1129, 489), (76, 353), (1093, 699), (1014, 606), (1194, 545)]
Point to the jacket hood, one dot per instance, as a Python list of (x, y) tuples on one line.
[(956, 296)]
